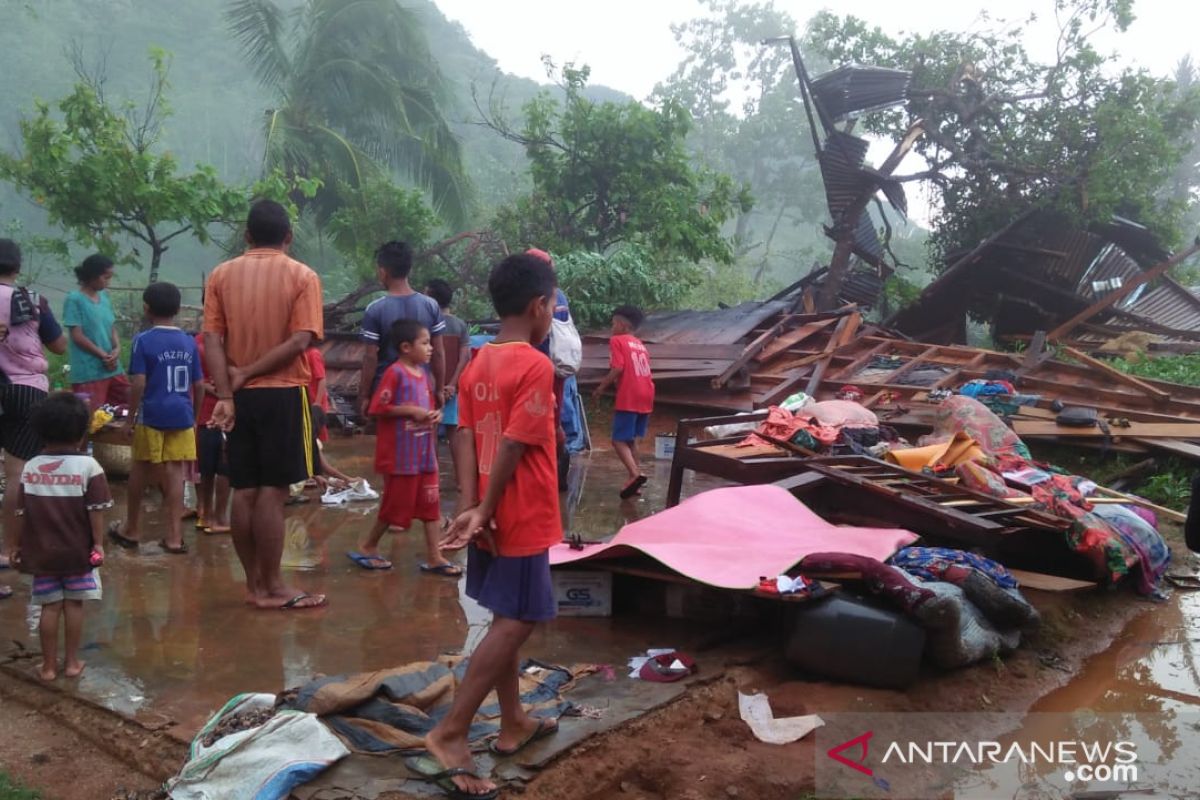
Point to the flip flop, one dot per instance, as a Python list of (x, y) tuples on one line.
[(218, 529), (430, 770), (120, 539), (633, 487), (175, 551), (541, 732), (1189, 583), (369, 562), (444, 570), (200, 524), (296, 603)]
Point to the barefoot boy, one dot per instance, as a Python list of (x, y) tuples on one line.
[(505, 459), (166, 391), (630, 370), (406, 451), (60, 506)]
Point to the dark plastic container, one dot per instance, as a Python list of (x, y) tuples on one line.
[(845, 639)]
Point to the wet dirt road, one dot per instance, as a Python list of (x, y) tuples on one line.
[(171, 638)]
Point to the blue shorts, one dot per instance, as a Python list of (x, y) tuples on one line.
[(513, 587), (629, 425), (450, 413)]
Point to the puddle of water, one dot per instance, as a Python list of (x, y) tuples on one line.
[(172, 636), (1144, 689)]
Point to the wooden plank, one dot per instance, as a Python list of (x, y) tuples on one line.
[(921, 358), (791, 339), (843, 334), (1049, 583), (847, 372), (1169, 513), (1112, 298), (1117, 375), (1185, 449), (738, 452), (1036, 353), (1141, 430)]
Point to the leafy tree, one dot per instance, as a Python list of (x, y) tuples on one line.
[(380, 211), (1003, 132), (762, 140), (608, 173), (356, 91), (597, 283), (98, 171)]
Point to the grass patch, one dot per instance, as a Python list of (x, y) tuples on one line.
[(1176, 369), (10, 789)]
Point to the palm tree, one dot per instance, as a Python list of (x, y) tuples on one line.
[(358, 92)]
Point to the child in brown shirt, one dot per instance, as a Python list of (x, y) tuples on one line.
[(59, 538)]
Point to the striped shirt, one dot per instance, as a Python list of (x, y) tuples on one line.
[(403, 446), (256, 302)]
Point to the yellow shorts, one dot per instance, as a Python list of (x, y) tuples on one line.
[(155, 446)]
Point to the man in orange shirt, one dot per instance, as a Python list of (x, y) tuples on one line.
[(261, 312)]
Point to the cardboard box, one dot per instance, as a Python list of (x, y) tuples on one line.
[(579, 593), (664, 446)]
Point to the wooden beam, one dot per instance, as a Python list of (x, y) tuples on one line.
[(750, 351), (895, 375), (847, 372), (791, 339), (1113, 298), (1170, 514), (1118, 376), (1036, 353), (1141, 430)]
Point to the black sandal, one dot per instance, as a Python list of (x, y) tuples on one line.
[(120, 539), (175, 551)]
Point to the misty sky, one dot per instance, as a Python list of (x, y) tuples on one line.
[(629, 46)]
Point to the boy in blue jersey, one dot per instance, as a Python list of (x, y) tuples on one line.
[(166, 390)]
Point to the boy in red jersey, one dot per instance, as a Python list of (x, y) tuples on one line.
[(406, 451), (629, 368), (508, 484)]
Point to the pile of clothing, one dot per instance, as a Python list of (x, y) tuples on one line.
[(970, 607), (830, 427), (1120, 541)]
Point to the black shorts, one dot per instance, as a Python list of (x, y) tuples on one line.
[(210, 452), (17, 438), (271, 443)]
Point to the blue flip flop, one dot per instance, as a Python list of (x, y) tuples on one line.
[(369, 562)]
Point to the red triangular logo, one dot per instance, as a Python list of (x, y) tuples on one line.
[(858, 741)]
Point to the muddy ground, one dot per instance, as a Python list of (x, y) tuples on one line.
[(172, 640), (696, 748)]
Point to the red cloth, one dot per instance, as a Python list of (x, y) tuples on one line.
[(635, 387), (409, 497), (507, 391), (782, 424), (316, 366), (210, 400)]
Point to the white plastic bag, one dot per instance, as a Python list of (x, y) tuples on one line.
[(263, 763), (566, 348)]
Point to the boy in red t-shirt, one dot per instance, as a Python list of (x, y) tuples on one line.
[(629, 368), (504, 453)]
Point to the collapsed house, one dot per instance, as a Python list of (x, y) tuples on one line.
[(1041, 274)]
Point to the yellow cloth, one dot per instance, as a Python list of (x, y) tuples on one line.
[(959, 450), (155, 446), (100, 418)]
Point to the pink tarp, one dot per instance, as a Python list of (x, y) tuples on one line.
[(729, 538)]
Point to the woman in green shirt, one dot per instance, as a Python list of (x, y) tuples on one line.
[(93, 344)]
